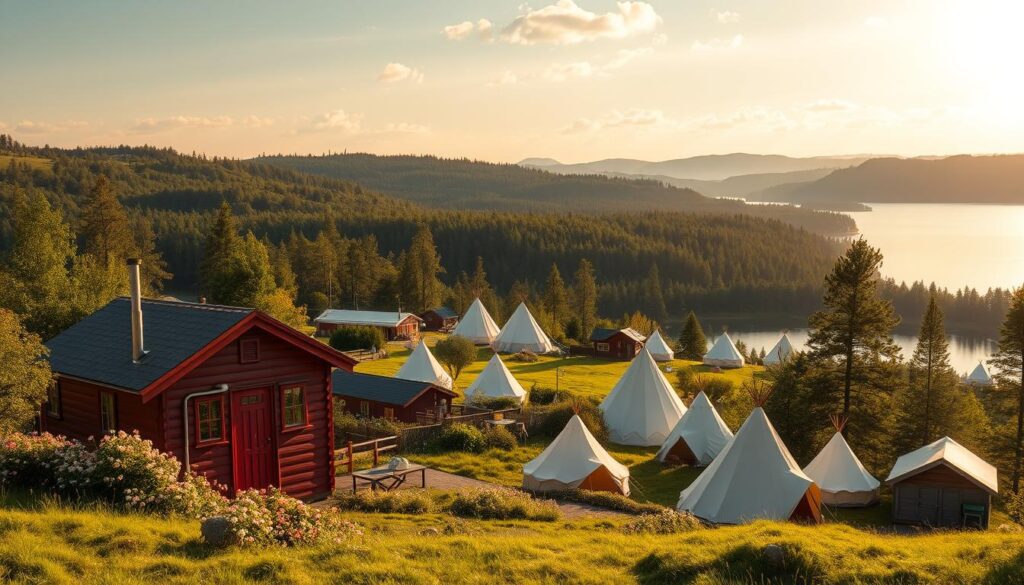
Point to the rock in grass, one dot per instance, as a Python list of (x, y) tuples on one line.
[(217, 532), (774, 556)]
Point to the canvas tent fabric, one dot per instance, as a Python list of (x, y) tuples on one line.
[(522, 332), (780, 352), (841, 477), (643, 407), (660, 350), (949, 452), (724, 354), (754, 477), (422, 366), (575, 460), (702, 431), (477, 325), (495, 382), (979, 376)]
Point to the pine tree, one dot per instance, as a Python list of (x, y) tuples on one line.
[(692, 342), (656, 299), (221, 245), (929, 367), (556, 298), (584, 291), (420, 287), (105, 229), (154, 267), (1009, 360), (856, 325)]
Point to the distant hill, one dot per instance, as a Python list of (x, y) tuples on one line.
[(740, 186), (957, 179), (715, 167), (472, 185)]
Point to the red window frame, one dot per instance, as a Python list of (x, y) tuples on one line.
[(111, 428), (199, 421), (54, 407), (304, 408)]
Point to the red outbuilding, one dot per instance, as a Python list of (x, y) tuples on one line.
[(371, 396), (233, 393), (620, 344)]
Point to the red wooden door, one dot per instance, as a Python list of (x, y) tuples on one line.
[(253, 438)]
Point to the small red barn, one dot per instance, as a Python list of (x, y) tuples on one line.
[(439, 319), (620, 344), (233, 393), (368, 395)]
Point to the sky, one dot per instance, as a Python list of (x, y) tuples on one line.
[(574, 80)]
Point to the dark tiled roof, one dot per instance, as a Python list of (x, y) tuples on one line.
[(443, 312), (379, 388), (99, 347), (601, 334)]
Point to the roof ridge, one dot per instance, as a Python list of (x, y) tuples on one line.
[(191, 305)]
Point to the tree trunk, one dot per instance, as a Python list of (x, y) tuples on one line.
[(1020, 430)]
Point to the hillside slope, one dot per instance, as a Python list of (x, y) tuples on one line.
[(713, 167), (471, 185), (956, 179), (740, 186)]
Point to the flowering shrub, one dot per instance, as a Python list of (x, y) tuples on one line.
[(266, 517), (124, 470)]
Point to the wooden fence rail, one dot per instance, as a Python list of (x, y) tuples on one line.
[(346, 456)]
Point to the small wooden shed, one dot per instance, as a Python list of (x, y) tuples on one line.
[(394, 325), (942, 485), (619, 344), (373, 396), (439, 319)]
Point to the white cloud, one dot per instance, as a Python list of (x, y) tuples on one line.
[(406, 128), (36, 127), (633, 117), (155, 125), (462, 30), (717, 44), (559, 72), (727, 17), (338, 120), (254, 121), (565, 23), (395, 72)]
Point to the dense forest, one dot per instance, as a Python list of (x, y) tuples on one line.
[(466, 184), (715, 264)]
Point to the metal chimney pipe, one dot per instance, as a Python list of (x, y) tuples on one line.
[(138, 347)]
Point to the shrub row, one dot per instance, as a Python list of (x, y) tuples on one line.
[(617, 502), (483, 504), (468, 438)]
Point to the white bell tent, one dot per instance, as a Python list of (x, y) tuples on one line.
[(780, 352), (477, 325), (979, 376), (659, 349), (422, 366), (754, 477), (724, 354), (843, 481), (522, 332), (642, 408), (575, 460), (495, 382), (698, 437)]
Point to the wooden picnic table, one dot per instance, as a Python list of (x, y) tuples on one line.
[(387, 479)]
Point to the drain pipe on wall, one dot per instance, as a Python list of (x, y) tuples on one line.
[(218, 389)]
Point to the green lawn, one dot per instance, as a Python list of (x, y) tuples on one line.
[(59, 545), (583, 375)]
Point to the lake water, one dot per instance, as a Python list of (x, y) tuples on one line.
[(980, 246), (964, 351)]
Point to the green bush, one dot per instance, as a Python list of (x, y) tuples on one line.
[(393, 502), (666, 521), (357, 337), (609, 500), (502, 504), (525, 355), (346, 423), (500, 438), (1014, 504), (494, 402), (549, 420), (717, 388), (542, 395), (460, 437)]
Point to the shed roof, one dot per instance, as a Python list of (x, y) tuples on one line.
[(948, 452), (381, 388), (373, 318), (601, 334), (442, 312)]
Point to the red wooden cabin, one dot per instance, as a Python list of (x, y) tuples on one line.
[(621, 344), (237, 395), (439, 319), (394, 325), (373, 396)]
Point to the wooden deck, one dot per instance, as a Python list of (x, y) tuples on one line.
[(441, 480)]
